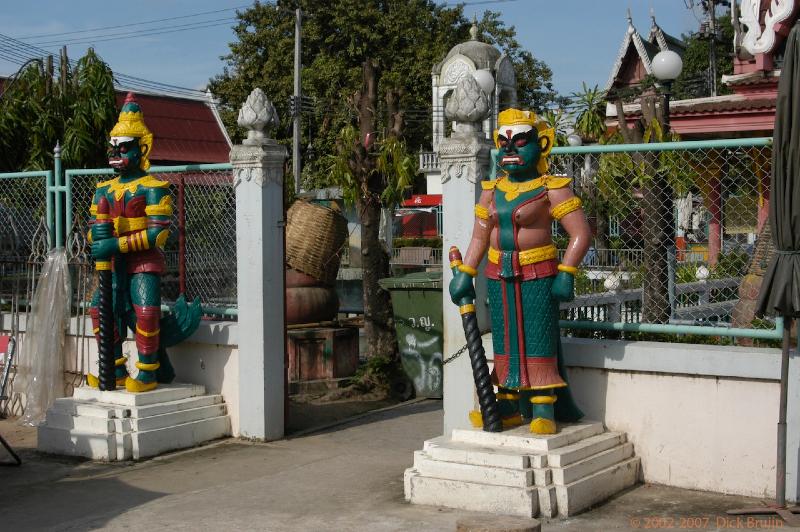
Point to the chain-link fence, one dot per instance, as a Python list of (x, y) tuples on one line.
[(200, 252), (681, 232), (23, 208)]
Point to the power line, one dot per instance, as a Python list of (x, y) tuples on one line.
[(128, 25), (139, 33), (18, 52)]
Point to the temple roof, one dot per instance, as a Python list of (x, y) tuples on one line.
[(645, 49), (185, 130)]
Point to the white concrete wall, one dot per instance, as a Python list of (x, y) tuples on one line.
[(705, 433), (700, 417)]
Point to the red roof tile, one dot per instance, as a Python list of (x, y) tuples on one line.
[(184, 130), (728, 106)]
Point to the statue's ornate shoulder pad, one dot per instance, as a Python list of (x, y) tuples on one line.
[(151, 182), (489, 184), (553, 181), (107, 183)]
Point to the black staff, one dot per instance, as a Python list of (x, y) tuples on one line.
[(490, 414), (105, 306)]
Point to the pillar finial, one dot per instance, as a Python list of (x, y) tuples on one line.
[(473, 31)]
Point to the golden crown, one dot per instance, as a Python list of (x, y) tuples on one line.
[(131, 124), (517, 117)]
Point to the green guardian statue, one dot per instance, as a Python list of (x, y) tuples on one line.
[(525, 280), (130, 222)]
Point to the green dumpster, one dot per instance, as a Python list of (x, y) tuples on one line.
[(417, 305)]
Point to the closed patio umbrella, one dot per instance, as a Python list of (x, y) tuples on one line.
[(780, 291)]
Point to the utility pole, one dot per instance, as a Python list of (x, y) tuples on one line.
[(297, 101), (712, 44)]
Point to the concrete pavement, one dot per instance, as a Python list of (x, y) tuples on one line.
[(349, 477)]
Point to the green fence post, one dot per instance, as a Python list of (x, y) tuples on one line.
[(59, 210), (48, 194)]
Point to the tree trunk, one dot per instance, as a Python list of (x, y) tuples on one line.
[(658, 238), (601, 240), (378, 315), (657, 217)]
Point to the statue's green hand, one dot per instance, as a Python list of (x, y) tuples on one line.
[(563, 288), (105, 249), (102, 231), (461, 288)]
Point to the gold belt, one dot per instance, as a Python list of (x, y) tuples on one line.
[(529, 256), (126, 225)]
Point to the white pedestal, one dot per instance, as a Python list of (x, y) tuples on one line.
[(519, 473), (120, 425)]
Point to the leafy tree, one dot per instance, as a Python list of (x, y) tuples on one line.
[(75, 106), (556, 119), (590, 110), (367, 69), (694, 80), (405, 38)]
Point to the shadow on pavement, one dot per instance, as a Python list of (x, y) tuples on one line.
[(69, 504), (395, 411)]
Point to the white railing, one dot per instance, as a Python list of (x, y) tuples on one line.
[(610, 258), (428, 161), (417, 256)]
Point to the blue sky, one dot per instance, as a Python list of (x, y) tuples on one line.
[(579, 39)]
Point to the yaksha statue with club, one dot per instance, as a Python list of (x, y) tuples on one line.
[(525, 280), (130, 222)]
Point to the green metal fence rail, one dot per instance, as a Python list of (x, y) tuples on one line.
[(742, 172)]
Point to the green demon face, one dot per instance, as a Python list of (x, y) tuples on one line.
[(124, 154), (520, 151)]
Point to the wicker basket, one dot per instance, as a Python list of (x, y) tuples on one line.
[(315, 237)]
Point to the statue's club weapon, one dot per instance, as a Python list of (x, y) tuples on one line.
[(105, 306), (490, 414)]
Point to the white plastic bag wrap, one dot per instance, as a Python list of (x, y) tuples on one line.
[(41, 361)]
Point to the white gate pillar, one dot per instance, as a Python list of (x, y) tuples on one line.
[(464, 160), (258, 165)]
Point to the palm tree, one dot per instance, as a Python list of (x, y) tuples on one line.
[(589, 105), (75, 106)]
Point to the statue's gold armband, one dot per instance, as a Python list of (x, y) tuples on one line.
[(566, 207)]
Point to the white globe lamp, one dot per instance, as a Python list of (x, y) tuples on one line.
[(573, 139), (667, 65), (612, 282)]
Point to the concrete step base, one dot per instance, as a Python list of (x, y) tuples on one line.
[(118, 425), (521, 474)]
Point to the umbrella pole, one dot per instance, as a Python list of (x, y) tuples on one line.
[(780, 473), (779, 508)]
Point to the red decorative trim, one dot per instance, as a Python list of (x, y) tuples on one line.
[(148, 321), (506, 331), (500, 371), (523, 373), (538, 270), (543, 372), (147, 261), (94, 313)]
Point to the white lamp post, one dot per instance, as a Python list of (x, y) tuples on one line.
[(667, 66), (573, 139)]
